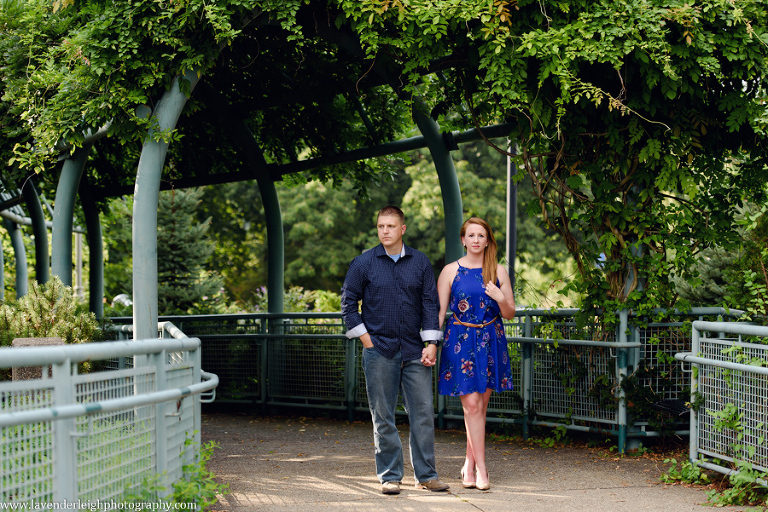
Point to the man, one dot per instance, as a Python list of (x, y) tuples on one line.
[(399, 316)]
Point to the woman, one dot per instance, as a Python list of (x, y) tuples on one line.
[(474, 357)]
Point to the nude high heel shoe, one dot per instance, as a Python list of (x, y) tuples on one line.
[(467, 484), (483, 485)]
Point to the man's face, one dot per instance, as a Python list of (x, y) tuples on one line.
[(390, 232)]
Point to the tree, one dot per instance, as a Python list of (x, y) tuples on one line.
[(626, 115), (706, 282), (183, 250), (118, 259), (328, 224), (635, 120), (48, 310), (747, 277), (237, 224), (542, 258)]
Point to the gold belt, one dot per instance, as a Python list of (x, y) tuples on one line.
[(477, 326)]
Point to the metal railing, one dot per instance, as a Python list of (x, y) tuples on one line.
[(564, 373), (729, 384), (88, 432)]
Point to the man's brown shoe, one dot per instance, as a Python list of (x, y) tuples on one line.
[(390, 488), (433, 485)]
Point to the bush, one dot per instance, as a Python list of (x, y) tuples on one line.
[(47, 311), (198, 485)]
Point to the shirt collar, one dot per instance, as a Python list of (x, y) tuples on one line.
[(383, 251)]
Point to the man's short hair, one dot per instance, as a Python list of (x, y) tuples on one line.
[(391, 210)]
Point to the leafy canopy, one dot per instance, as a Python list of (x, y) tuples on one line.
[(641, 123)]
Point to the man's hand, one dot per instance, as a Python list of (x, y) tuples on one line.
[(429, 355), (366, 340)]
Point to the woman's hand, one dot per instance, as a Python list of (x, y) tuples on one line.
[(494, 292)]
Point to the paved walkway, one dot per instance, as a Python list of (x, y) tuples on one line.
[(305, 464)]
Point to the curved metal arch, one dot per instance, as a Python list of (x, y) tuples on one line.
[(64, 210), (39, 229), (22, 286), (146, 198), (449, 183), (96, 250)]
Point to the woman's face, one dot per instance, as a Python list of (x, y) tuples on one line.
[(475, 239)]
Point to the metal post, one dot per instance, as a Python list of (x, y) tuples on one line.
[(161, 425), (526, 377), (693, 438), (196, 358), (35, 209), (96, 254), (20, 252), (621, 374), (350, 376), (147, 193), (511, 218), (64, 453), (449, 183), (264, 367), (79, 266), (64, 210)]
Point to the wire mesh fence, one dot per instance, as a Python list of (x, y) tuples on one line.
[(730, 396), (87, 437), (565, 371)]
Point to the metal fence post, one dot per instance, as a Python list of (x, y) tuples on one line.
[(64, 450), (350, 376), (196, 358), (526, 377), (693, 438), (621, 374), (264, 355), (161, 432)]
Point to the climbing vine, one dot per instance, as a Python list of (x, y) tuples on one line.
[(640, 123), (631, 118)]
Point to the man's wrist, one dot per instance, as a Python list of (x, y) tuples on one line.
[(432, 342)]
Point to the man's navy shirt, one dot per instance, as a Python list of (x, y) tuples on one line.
[(400, 304)]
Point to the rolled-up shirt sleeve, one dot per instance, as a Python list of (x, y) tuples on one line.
[(351, 293), (430, 325)]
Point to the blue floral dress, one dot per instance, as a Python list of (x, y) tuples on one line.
[(473, 359)]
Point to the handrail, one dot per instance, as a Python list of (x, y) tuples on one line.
[(589, 343), (731, 328), (172, 330), (75, 410), (11, 357), (522, 311), (687, 357)]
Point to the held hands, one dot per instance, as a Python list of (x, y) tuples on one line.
[(429, 355)]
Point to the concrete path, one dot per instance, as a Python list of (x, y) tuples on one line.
[(311, 465)]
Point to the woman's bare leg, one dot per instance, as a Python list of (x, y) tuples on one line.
[(475, 407)]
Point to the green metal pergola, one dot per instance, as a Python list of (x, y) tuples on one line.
[(227, 105)]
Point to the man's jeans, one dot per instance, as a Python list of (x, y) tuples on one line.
[(383, 379)]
